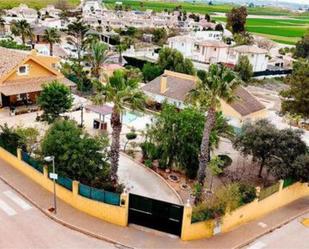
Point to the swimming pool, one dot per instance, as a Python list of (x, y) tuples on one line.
[(129, 117)]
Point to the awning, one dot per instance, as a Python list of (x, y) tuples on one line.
[(100, 109), (29, 85)]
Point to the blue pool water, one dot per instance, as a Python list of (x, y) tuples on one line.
[(130, 117)]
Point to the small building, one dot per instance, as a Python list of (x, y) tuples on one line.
[(257, 56), (22, 75), (173, 87)]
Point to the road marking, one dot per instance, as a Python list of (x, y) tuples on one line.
[(19, 201), (305, 222), (257, 245), (261, 224), (7, 209)]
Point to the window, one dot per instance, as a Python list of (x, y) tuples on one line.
[(23, 70)]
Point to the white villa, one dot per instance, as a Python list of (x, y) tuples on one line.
[(257, 56), (208, 47)]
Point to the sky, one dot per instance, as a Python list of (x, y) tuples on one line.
[(295, 1)]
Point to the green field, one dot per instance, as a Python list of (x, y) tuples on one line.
[(194, 7), (36, 4), (288, 30)]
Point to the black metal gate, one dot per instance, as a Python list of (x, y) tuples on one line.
[(155, 214)]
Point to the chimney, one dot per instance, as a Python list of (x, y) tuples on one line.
[(163, 84)]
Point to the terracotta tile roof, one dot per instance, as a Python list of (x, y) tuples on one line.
[(177, 88), (245, 103), (250, 49), (9, 59), (30, 85)]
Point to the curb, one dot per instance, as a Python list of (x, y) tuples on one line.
[(63, 223), (269, 230), (156, 174)]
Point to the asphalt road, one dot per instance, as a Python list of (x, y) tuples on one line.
[(23, 226), (293, 235)]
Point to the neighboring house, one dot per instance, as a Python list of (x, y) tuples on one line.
[(23, 12), (22, 75), (173, 87), (257, 56), (51, 11), (201, 46), (92, 7)]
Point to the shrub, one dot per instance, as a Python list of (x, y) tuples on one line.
[(13, 45), (149, 150), (148, 163), (227, 161), (131, 135), (225, 199), (247, 192)]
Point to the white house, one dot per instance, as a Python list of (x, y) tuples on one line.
[(257, 56), (202, 46), (92, 7)]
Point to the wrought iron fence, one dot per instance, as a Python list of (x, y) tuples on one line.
[(265, 192), (99, 195), (32, 162), (288, 182)]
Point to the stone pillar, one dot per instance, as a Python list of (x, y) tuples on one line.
[(19, 155), (45, 171), (75, 185), (281, 182), (186, 220), (258, 190), (124, 203)]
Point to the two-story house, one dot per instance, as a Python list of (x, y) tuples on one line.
[(22, 75)]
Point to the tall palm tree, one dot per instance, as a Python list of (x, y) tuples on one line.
[(52, 36), (120, 49), (77, 32), (120, 90), (23, 29), (98, 55), (2, 24), (218, 83)]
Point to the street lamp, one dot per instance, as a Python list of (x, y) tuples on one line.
[(54, 177)]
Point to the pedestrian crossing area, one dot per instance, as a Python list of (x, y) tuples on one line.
[(12, 204)]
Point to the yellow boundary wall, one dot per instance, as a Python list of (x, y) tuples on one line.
[(190, 231), (244, 214), (114, 214)]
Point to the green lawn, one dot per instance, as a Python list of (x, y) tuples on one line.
[(36, 4), (194, 7)]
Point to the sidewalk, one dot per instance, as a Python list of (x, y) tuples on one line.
[(130, 236)]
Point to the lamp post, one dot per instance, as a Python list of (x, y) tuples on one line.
[(54, 177)]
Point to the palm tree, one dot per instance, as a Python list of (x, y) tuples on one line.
[(120, 48), (77, 32), (52, 36), (23, 29), (120, 90), (98, 55), (2, 25), (218, 83)]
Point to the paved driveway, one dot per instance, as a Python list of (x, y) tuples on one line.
[(141, 181)]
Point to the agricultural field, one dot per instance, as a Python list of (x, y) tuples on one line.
[(287, 30), (193, 7), (36, 4)]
